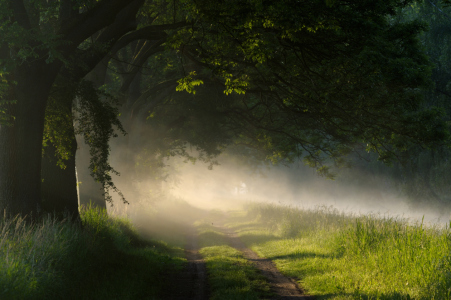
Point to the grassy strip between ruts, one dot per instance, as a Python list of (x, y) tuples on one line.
[(230, 275), (103, 260), (337, 256)]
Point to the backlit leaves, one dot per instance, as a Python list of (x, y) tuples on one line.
[(188, 83)]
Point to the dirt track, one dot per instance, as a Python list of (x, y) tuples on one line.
[(191, 283), (283, 287)]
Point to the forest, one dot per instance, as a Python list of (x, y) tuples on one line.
[(219, 144)]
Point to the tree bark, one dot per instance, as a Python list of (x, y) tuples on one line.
[(21, 143), (59, 188)]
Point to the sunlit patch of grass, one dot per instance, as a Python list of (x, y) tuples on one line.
[(230, 275), (352, 257), (105, 259)]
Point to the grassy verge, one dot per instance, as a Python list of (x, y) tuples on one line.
[(103, 260), (351, 257), (230, 275)]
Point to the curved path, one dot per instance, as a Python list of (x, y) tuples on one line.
[(282, 286), (191, 283)]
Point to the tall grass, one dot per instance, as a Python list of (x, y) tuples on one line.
[(103, 259), (368, 256), (30, 254)]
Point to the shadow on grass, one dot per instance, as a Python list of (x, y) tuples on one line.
[(254, 239), (302, 255), (246, 226), (233, 278), (111, 273), (363, 296)]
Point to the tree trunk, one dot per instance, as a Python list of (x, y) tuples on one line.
[(91, 191), (59, 186), (21, 143)]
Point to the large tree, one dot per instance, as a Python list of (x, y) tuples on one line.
[(38, 39), (318, 76)]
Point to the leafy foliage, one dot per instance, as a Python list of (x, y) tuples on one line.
[(95, 116), (188, 83), (96, 121), (319, 77), (59, 123), (421, 172)]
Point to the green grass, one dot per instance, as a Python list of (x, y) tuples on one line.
[(336, 256), (230, 275), (105, 259)]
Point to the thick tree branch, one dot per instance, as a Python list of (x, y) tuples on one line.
[(139, 61), (20, 13), (82, 26), (125, 22), (165, 85), (151, 32)]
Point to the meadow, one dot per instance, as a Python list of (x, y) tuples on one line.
[(332, 255), (341, 256)]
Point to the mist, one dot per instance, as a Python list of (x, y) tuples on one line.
[(233, 183), (299, 186)]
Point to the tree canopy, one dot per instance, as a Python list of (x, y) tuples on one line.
[(318, 78), (314, 79)]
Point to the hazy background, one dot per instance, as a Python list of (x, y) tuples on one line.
[(233, 183)]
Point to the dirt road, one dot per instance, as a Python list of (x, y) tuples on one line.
[(191, 283), (283, 287)]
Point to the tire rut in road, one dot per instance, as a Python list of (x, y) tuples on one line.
[(191, 283), (283, 287)]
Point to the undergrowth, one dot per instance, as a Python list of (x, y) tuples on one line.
[(340, 256), (102, 259)]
